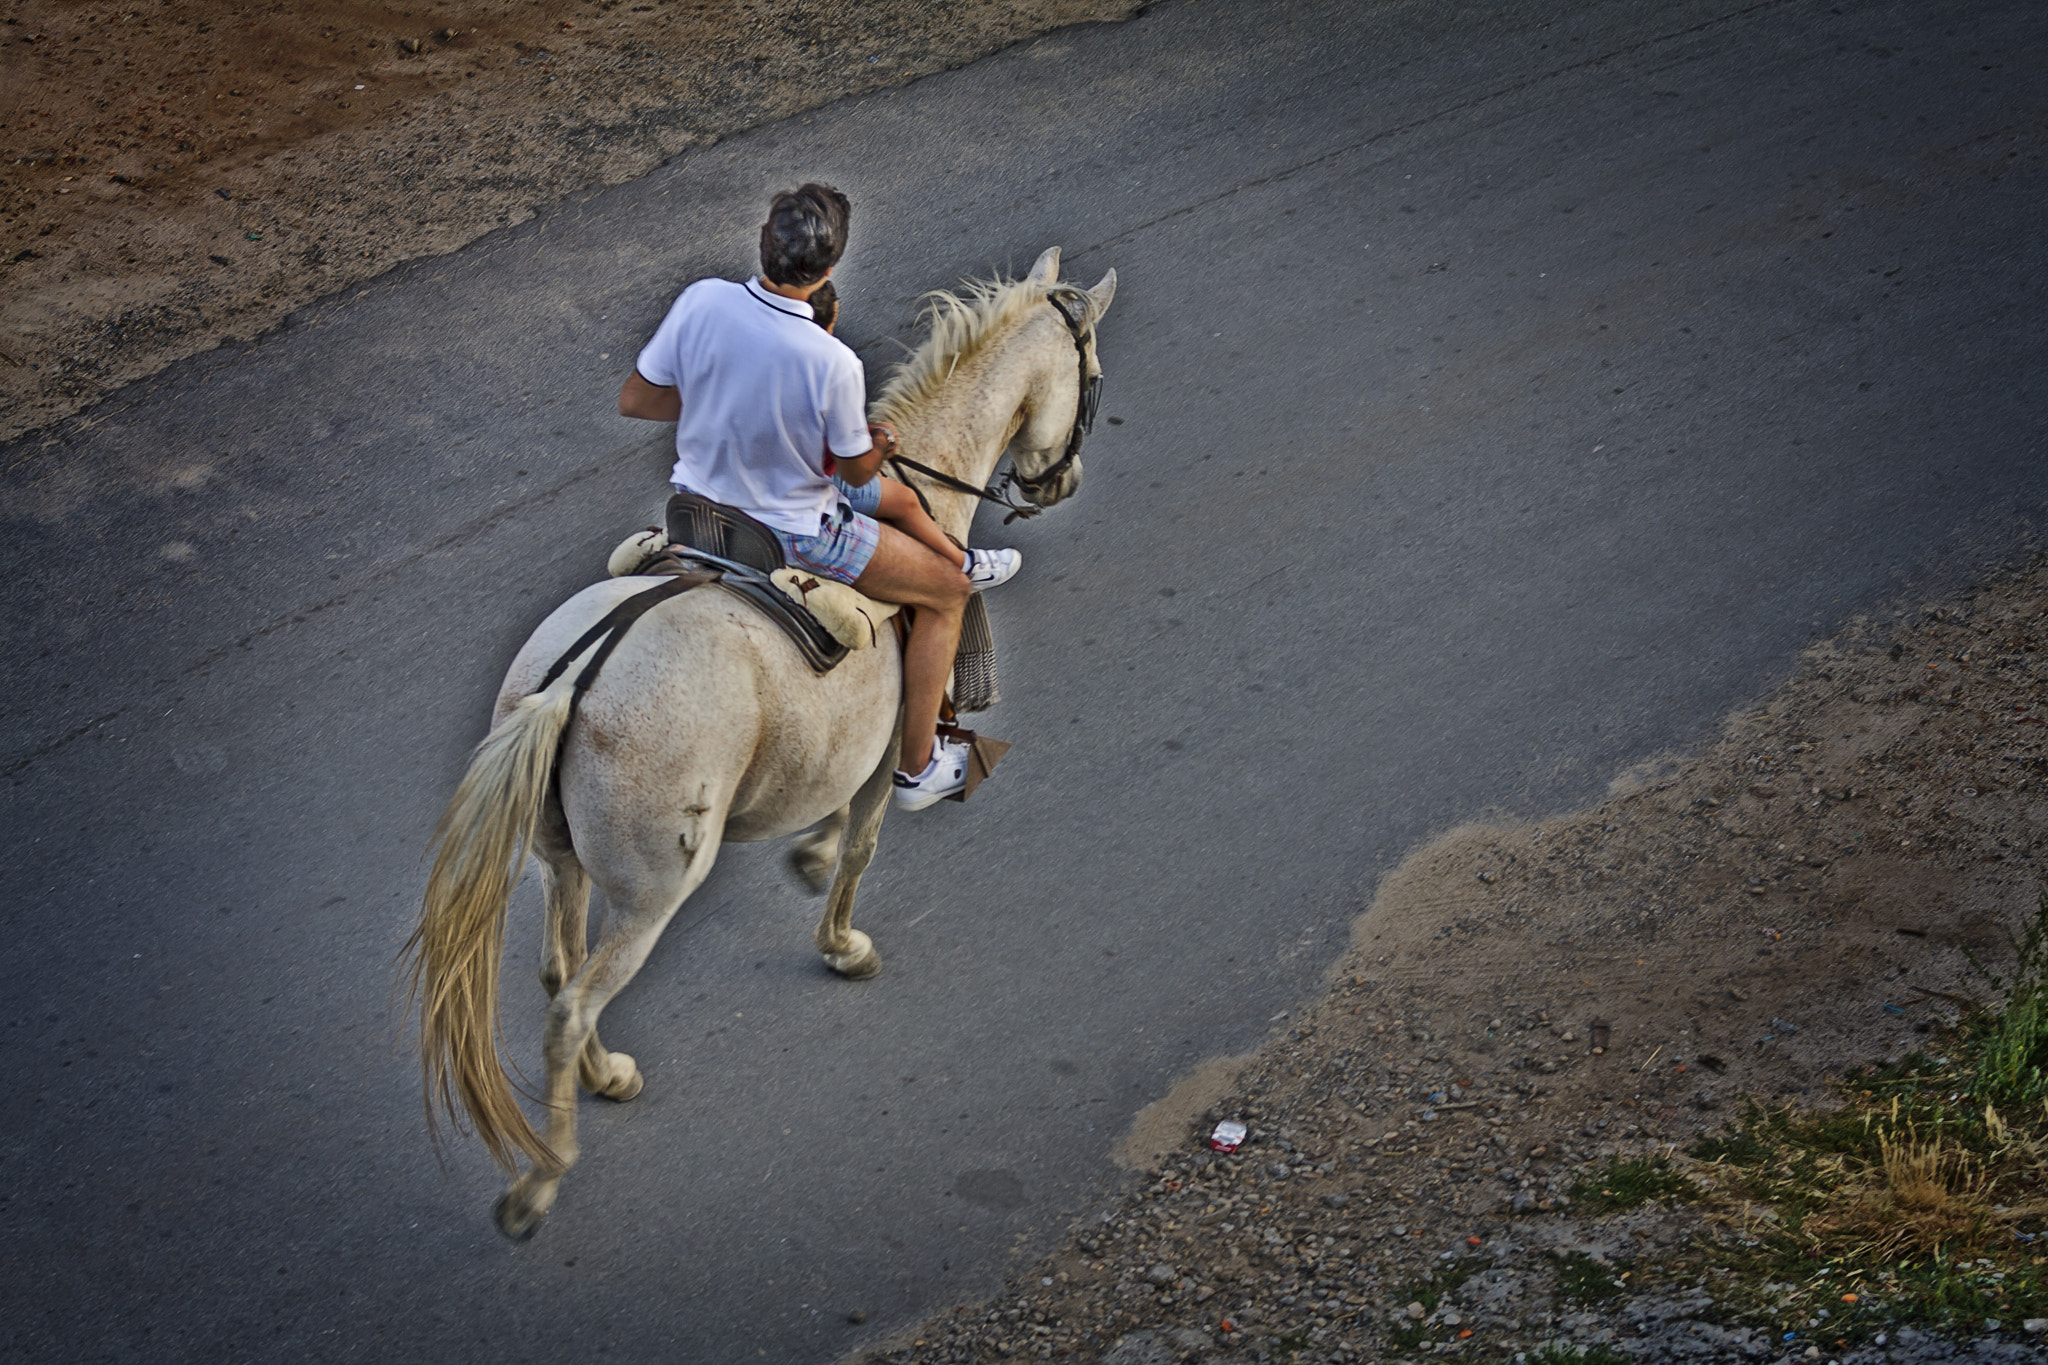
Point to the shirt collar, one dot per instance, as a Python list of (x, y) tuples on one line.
[(779, 303)]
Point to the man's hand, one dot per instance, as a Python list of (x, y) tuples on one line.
[(858, 470), (654, 402)]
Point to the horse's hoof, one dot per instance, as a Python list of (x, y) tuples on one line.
[(625, 1080), (860, 960), (516, 1218), (814, 873)]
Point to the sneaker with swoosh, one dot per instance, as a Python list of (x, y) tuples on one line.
[(989, 568)]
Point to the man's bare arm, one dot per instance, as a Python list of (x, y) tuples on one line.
[(654, 402)]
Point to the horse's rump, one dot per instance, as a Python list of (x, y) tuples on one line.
[(706, 699)]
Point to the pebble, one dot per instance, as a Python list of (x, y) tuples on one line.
[(1162, 1274), (856, 1317)]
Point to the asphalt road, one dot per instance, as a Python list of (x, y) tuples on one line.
[(1507, 391)]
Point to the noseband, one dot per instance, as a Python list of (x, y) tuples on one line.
[(1072, 306)]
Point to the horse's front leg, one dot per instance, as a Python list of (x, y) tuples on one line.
[(815, 852), (846, 949)]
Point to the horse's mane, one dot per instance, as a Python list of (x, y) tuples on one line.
[(961, 326)]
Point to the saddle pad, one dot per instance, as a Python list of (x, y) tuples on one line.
[(854, 618), (634, 551)]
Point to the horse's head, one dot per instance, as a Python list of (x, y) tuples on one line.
[(1045, 456)]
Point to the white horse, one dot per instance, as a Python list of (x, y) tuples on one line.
[(706, 724)]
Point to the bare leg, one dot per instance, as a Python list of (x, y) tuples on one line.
[(846, 949), (901, 509), (913, 574)]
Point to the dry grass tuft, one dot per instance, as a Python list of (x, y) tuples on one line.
[(1923, 1198), (1917, 1174)]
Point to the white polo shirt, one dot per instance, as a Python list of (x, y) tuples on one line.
[(765, 390)]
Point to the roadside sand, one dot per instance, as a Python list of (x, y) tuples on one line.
[(177, 173)]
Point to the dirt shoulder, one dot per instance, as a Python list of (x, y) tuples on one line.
[(177, 173), (1526, 1004)]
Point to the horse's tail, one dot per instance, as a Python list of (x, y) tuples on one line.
[(458, 946)]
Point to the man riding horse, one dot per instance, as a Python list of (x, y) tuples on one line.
[(770, 413)]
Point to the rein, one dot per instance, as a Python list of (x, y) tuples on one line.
[(1090, 399)]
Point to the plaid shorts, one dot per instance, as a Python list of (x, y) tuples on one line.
[(846, 539)]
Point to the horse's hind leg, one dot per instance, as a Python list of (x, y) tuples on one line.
[(640, 910), (846, 949), (610, 1074)]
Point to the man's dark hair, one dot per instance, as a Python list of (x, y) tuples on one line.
[(804, 235), (825, 306)]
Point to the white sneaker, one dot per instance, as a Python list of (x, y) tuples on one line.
[(944, 775), (988, 568)]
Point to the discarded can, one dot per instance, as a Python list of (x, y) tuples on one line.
[(1229, 1135)]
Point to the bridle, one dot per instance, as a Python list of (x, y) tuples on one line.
[(1072, 305)]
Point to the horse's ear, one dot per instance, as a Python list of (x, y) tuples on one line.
[(1100, 295), (1047, 269)]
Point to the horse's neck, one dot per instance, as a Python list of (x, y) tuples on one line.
[(963, 429)]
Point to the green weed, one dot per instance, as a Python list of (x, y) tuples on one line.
[(1625, 1184), (1737, 1145), (1561, 1353), (1581, 1279), (1435, 1285), (2012, 1045)]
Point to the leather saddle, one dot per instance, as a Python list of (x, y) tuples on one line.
[(707, 534), (723, 532)]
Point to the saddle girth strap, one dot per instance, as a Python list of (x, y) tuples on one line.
[(612, 628)]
